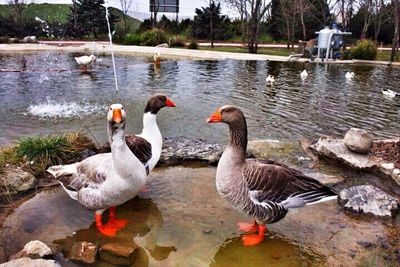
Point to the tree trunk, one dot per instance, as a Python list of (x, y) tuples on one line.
[(125, 27), (396, 14), (210, 14), (303, 25)]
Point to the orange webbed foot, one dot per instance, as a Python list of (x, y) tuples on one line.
[(252, 239), (107, 230), (247, 227)]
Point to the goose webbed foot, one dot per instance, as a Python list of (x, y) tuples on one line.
[(113, 224), (254, 238), (248, 227)]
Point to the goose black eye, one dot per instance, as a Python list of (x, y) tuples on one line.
[(110, 108), (122, 108)]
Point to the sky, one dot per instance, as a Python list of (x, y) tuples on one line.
[(141, 7)]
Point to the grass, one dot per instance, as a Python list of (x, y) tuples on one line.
[(385, 56), (39, 152), (52, 13)]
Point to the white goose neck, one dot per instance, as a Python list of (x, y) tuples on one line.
[(149, 120)]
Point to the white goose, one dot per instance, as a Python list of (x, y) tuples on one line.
[(105, 180), (84, 61), (270, 80), (349, 75), (389, 93), (157, 58), (303, 75)]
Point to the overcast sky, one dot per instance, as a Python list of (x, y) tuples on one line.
[(186, 6)]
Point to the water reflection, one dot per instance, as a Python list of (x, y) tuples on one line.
[(274, 251)]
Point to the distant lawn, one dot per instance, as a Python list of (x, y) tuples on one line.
[(385, 56), (52, 13), (261, 50)]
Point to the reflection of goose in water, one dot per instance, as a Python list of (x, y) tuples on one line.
[(144, 226), (276, 251)]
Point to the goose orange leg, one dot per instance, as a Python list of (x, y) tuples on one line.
[(254, 238), (112, 226)]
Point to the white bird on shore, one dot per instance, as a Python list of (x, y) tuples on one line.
[(350, 75), (389, 93), (270, 80), (84, 61), (157, 58), (304, 75)]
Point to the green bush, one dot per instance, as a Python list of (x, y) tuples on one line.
[(266, 38), (193, 45), (154, 37), (177, 41), (132, 39), (365, 49)]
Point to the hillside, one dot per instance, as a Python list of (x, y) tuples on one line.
[(59, 13)]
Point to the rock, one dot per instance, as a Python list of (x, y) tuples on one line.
[(14, 180), (28, 262), (163, 45), (365, 244), (334, 148), (36, 249), (29, 39), (369, 199), (14, 40), (4, 40), (84, 252), (177, 149), (325, 179), (358, 140), (118, 253)]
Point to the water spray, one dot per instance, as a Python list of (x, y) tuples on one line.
[(106, 5)]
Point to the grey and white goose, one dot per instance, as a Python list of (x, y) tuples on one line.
[(105, 180), (147, 146), (264, 190)]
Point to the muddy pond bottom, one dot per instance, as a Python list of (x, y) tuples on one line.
[(181, 221)]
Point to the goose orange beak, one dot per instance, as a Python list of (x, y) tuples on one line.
[(215, 117), (117, 115), (169, 102)]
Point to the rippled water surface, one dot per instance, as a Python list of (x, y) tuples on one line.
[(46, 93)]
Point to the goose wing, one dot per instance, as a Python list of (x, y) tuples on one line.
[(269, 181)]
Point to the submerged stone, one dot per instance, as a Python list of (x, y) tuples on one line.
[(358, 140), (28, 262), (84, 252), (369, 199), (118, 253)]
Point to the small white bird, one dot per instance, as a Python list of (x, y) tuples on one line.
[(350, 75), (389, 93), (157, 58), (304, 75), (270, 80), (83, 61)]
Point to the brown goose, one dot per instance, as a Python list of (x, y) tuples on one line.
[(264, 190)]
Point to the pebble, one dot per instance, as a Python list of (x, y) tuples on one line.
[(207, 231)]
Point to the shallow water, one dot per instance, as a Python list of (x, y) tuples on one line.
[(46, 93), (173, 225)]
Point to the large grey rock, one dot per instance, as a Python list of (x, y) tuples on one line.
[(178, 149), (358, 140), (37, 249), (334, 148), (84, 252), (28, 262), (14, 180), (369, 199)]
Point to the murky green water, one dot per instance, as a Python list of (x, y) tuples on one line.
[(46, 93), (182, 221)]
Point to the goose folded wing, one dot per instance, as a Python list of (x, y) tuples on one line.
[(283, 185)]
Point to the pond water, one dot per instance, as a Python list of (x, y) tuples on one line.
[(46, 93), (173, 225)]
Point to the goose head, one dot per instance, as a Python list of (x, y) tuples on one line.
[(93, 58), (157, 102), (226, 114), (116, 114)]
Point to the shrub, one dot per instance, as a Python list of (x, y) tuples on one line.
[(193, 45), (365, 49), (154, 37), (177, 41), (132, 39)]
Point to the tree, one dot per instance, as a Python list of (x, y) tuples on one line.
[(155, 6), (396, 16), (18, 6), (88, 17), (125, 6), (210, 16)]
